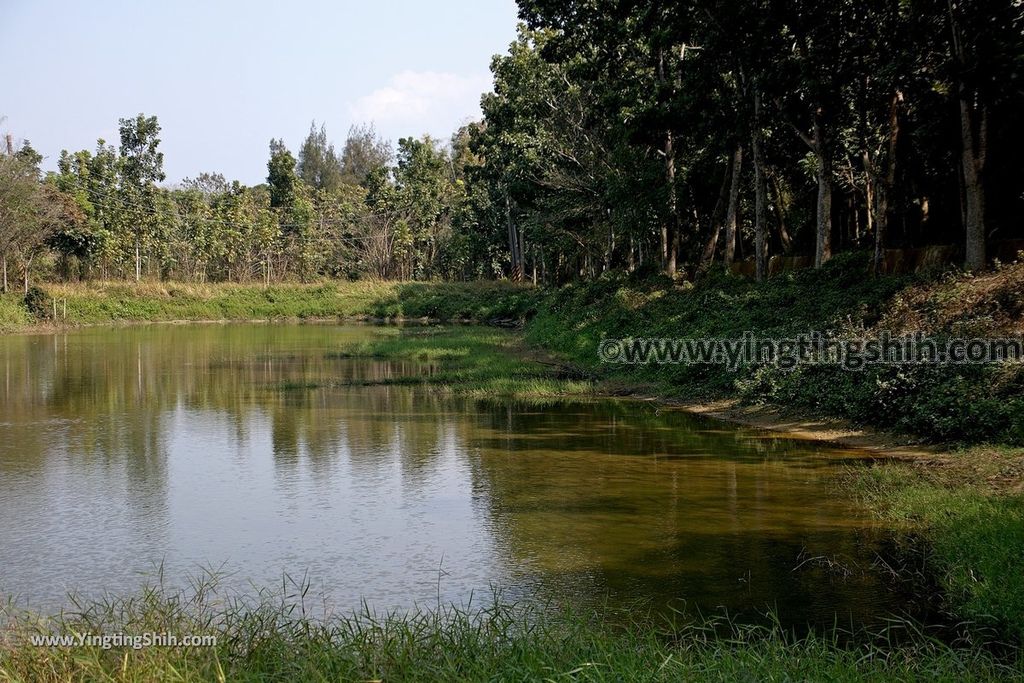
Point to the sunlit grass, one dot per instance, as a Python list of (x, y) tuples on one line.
[(459, 360), (287, 635), (112, 302), (13, 314)]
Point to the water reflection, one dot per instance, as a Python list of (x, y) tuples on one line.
[(261, 448)]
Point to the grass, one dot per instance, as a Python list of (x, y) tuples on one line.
[(965, 513), (477, 362), (111, 302), (286, 637), (13, 315), (966, 404), (961, 404)]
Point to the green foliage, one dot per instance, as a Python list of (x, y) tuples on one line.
[(38, 303), (365, 154), (467, 361), (967, 404), (13, 315), (281, 176), (319, 166)]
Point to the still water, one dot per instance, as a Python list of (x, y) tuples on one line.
[(205, 446)]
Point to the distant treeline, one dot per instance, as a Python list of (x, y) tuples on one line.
[(620, 135)]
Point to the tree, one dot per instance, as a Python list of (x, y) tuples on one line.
[(30, 213), (18, 188), (986, 44), (207, 184), (281, 177), (92, 180), (141, 168), (319, 166), (364, 153), (426, 194)]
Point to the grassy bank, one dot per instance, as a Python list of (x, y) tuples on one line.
[(967, 404), (963, 518), (103, 303), (270, 638)]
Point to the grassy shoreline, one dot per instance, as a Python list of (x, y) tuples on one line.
[(286, 637), (102, 303)]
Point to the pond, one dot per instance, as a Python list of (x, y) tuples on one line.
[(259, 451)]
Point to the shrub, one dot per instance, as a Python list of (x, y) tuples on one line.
[(39, 303)]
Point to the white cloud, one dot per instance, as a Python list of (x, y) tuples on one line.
[(415, 102)]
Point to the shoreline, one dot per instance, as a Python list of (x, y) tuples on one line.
[(793, 424), (50, 328), (806, 427)]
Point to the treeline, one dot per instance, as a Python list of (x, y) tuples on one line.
[(631, 134), (360, 212), (620, 135)]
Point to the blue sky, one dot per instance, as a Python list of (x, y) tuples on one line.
[(224, 77)]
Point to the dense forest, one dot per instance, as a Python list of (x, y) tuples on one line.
[(620, 135)]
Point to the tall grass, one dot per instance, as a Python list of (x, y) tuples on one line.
[(971, 536), (13, 314), (279, 636)]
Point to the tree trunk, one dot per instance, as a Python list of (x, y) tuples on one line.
[(708, 255), (780, 210), (823, 241), (670, 229), (885, 187), (28, 267), (138, 260), (881, 223), (869, 196), (513, 242), (5, 273), (732, 217), (974, 148), (760, 208), (818, 145)]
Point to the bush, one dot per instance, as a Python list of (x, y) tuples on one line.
[(39, 303)]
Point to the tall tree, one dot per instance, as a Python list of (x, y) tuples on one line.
[(142, 167), (365, 153), (281, 176), (319, 166)]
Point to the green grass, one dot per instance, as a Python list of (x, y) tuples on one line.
[(13, 315), (478, 362), (971, 534), (283, 637), (951, 403), (964, 404), (111, 302)]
